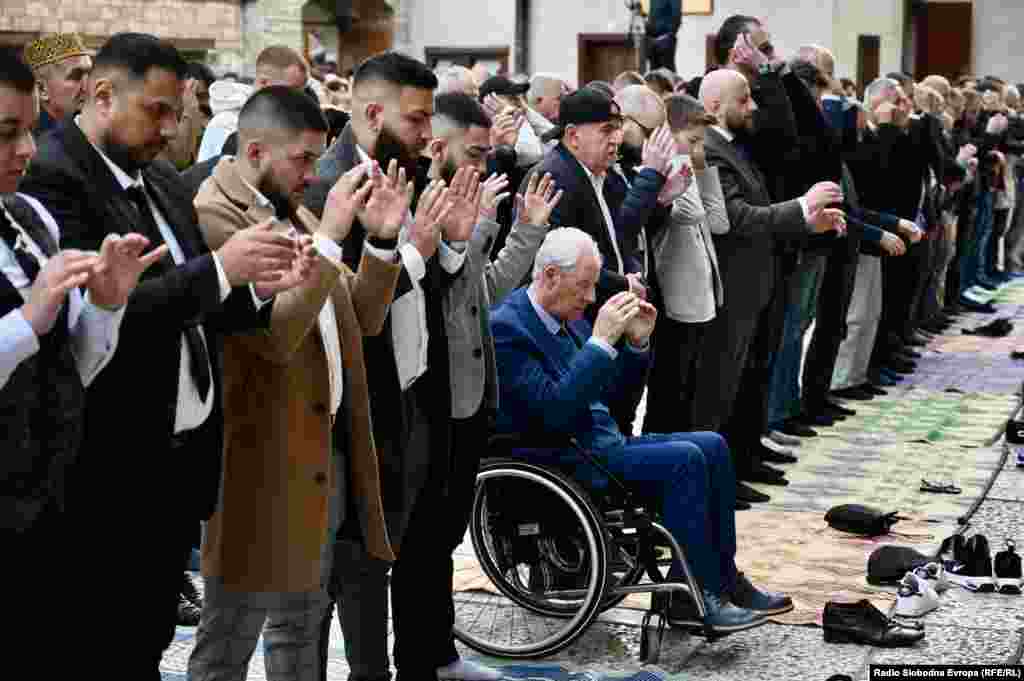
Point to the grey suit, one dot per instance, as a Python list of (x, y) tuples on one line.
[(748, 266), (467, 311)]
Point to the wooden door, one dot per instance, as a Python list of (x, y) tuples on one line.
[(602, 56), (942, 33), (869, 49)]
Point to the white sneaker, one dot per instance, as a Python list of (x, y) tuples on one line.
[(934, 575), (467, 670), (915, 597)]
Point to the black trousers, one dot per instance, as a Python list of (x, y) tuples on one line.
[(661, 54), (1000, 219), (829, 330), (421, 578), (672, 384)]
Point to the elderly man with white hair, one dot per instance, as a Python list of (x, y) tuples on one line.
[(557, 375)]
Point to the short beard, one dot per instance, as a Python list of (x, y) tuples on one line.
[(121, 155), (283, 207), (390, 148)]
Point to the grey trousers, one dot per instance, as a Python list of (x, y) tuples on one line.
[(862, 325), (231, 625)]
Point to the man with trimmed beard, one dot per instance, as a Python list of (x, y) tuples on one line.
[(408, 371)]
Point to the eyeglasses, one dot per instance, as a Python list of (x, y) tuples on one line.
[(647, 131)]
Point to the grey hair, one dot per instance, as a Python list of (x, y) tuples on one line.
[(562, 248), (878, 88)]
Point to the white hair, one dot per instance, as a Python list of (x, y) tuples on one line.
[(562, 248), (879, 87), (452, 79)]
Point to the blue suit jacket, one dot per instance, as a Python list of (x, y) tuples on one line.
[(543, 391)]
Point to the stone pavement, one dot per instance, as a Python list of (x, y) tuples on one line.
[(967, 628)]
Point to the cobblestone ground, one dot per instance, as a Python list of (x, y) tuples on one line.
[(967, 628)]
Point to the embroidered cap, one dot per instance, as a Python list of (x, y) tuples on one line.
[(53, 48)]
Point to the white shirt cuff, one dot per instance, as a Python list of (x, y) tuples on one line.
[(19, 340), (413, 261), (599, 342), (451, 260), (385, 254), (328, 248), (95, 338), (225, 285), (805, 209)]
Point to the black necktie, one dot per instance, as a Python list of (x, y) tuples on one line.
[(200, 364), (26, 260)]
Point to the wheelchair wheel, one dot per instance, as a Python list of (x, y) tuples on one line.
[(531, 576)]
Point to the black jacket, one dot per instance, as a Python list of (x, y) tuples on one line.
[(126, 461)]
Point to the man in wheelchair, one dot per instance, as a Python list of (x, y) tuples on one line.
[(556, 376)]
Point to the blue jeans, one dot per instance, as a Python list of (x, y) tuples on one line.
[(691, 476), (974, 262)]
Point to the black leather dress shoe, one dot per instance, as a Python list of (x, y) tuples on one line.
[(741, 505), (916, 342), (856, 393), (898, 367), (911, 355), (830, 413), (763, 473), (797, 429), (862, 622), (771, 456), (749, 495), (840, 409), (875, 390), (822, 420)]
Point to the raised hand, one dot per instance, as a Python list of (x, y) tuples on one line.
[(256, 254), (119, 267), (302, 269), (615, 315), (346, 199), (61, 273), (821, 195), (910, 230), (492, 194), (676, 184), (641, 326), (745, 54), (535, 207), (659, 149), (505, 130), (464, 195), (637, 285), (431, 213), (492, 106), (893, 245), (388, 206)]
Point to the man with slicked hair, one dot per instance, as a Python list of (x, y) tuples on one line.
[(262, 547), (408, 368), (96, 174)]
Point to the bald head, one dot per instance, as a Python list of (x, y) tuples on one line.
[(725, 95), (640, 106)]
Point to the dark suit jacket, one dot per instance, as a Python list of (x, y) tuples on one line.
[(631, 208), (404, 469), (746, 253), (542, 393), (131, 405)]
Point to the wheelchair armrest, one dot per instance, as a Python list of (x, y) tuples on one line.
[(511, 441)]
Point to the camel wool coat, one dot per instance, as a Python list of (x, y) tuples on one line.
[(271, 522)]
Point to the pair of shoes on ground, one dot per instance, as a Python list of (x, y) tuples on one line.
[(919, 590), (995, 329), (969, 565), (745, 608), (862, 622)]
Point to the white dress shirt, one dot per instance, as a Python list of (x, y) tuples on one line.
[(409, 334), (94, 331), (326, 321), (598, 182), (193, 409)]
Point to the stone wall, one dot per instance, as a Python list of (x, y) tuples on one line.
[(211, 26)]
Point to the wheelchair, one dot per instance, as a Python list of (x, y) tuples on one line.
[(545, 555)]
